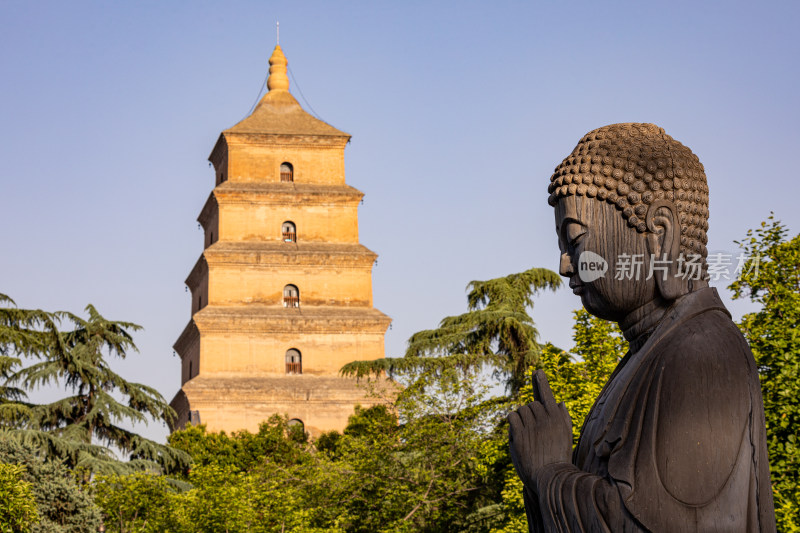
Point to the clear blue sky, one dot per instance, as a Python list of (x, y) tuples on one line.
[(459, 112)]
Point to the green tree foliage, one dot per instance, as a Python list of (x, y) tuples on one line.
[(418, 472), (238, 482), (242, 450), (139, 502), (771, 279), (435, 459), (496, 331), (224, 499), (79, 428), (17, 505), (248, 481), (62, 505), (408, 466), (23, 332)]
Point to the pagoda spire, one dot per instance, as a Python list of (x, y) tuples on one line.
[(278, 80)]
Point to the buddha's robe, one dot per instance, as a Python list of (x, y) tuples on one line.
[(675, 442)]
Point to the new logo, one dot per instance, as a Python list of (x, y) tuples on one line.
[(591, 266)]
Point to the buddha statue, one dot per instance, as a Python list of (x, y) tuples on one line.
[(676, 440)]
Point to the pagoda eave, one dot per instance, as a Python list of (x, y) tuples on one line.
[(310, 140), (296, 193), (323, 256), (261, 318), (305, 397)]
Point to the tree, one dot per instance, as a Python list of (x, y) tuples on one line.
[(496, 331), (79, 428), (435, 458), (770, 277), (23, 332), (242, 450), (239, 482), (61, 504), (26, 333), (139, 502), (249, 481), (17, 505), (406, 466)]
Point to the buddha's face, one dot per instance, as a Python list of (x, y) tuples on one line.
[(586, 226)]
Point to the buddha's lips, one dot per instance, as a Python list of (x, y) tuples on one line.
[(577, 288)]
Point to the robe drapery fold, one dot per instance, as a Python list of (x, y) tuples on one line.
[(675, 442)]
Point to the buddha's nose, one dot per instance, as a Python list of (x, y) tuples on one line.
[(565, 268)]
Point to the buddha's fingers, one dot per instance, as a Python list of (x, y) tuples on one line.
[(541, 390), (515, 422)]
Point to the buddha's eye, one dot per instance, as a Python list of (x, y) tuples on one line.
[(574, 234)]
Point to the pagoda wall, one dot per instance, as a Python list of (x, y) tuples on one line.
[(190, 358), (318, 285), (256, 221), (254, 162), (265, 353)]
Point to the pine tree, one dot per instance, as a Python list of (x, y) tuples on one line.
[(62, 505), (496, 332), (80, 428), (23, 332)]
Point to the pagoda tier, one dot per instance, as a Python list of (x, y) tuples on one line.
[(325, 274), (244, 401), (253, 212), (253, 339)]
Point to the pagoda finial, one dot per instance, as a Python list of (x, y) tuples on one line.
[(278, 80)]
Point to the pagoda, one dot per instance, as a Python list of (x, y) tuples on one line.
[(282, 293)]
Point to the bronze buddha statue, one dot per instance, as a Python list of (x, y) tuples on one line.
[(676, 440)]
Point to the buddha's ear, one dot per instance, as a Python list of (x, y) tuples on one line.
[(663, 243)]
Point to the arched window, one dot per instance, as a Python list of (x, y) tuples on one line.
[(289, 231), (294, 361), (287, 172), (296, 428), (291, 296)]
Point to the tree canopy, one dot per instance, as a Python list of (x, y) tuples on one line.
[(434, 459), (770, 278), (60, 504), (80, 428), (497, 331)]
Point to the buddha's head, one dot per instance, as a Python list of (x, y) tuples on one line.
[(630, 193)]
